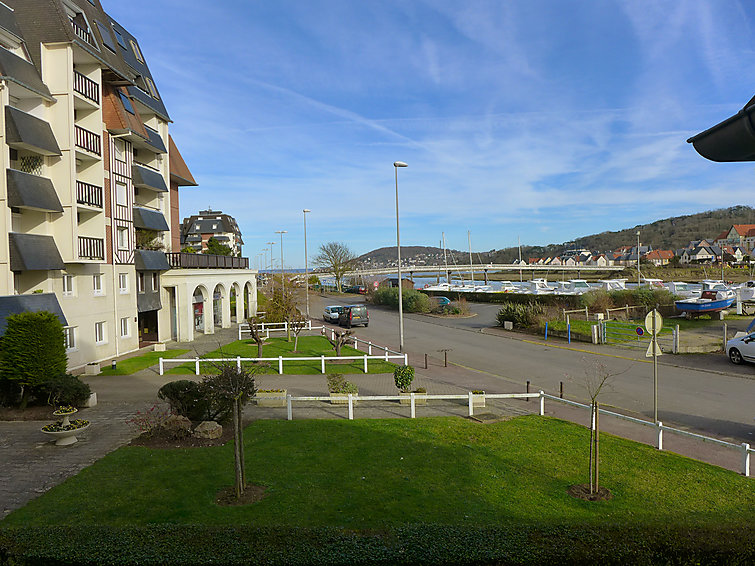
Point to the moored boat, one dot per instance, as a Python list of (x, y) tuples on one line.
[(708, 302)]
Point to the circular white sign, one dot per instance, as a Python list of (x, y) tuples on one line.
[(649, 322)]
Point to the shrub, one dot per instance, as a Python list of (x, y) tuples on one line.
[(185, 398), (337, 384), (598, 300), (413, 300), (65, 389), (522, 315), (151, 420), (222, 390), (32, 350), (403, 377)]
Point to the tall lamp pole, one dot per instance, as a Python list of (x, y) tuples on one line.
[(306, 261), (638, 258), (272, 279), (396, 165), (283, 274)]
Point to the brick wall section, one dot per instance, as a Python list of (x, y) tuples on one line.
[(175, 223), (107, 204)]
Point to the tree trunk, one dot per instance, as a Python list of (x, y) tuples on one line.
[(24, 397), (259, 349), (597, 459), (236, 452), (241, 442), (592, 432)]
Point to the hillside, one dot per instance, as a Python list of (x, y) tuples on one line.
[(669, 233)]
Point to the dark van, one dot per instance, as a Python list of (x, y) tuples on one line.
[(353, 315)]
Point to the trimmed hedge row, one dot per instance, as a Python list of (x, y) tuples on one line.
[(411, 544)]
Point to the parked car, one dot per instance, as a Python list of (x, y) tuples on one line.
[(441, 301), (353, 315), (330, 314), (741, 349), (360, 289)]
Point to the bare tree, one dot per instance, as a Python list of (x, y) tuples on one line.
[(296, 323), (339, 339), (256, 330), (337, 258)]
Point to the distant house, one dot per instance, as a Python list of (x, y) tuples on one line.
[(196, 230), (701, 254), (659, 257), (599, 260), (393, 282), (737, 234)]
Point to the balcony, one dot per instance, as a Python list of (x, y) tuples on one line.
[(185, 260), (89, 195), (81, 33), (91, 248), (88, 141), (86, 87)]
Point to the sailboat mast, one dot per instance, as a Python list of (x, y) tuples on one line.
[(519, 244), (445, 258), (471, 269)]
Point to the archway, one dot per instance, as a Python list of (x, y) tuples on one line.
[(199, 308), (218, 297)]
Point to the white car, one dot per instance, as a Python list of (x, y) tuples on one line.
[(741, 348), (331, 314)]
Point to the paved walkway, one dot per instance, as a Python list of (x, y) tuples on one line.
[(30, 464)]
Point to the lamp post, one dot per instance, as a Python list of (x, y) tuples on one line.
[(283, 278), (396, 165), (272, 280), (306, 263), (638, 258)]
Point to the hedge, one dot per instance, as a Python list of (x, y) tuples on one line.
[(412, 544)]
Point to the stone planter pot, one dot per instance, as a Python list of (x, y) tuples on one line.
[(478, 400), (406, 399), (65, 437), (92, 369), (269, 398)]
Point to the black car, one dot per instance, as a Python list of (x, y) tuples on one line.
[(353, 315)]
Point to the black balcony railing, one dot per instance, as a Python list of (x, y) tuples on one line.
[(91, 248), (88, 194), (81, 32), (206, 261), (87, 140), (86, 87)]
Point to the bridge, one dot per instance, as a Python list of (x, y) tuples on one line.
[(411, 270)]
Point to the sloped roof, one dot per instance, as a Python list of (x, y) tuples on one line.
[(179, 171)]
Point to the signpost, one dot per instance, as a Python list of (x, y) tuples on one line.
[(654, 324)]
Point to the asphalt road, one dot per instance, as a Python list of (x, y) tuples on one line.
[(696, 392)]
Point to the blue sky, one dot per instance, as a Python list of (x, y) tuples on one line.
[(545, 120)]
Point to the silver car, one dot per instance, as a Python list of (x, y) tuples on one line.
[(331, 314), (741, 348)]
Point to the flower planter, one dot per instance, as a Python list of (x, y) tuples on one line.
[(271, 398), (406, 399), (478, 400), (64, 432), (65, 437), (92, 369)]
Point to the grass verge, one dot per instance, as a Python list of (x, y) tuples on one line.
[(138, 363), (309, 346)]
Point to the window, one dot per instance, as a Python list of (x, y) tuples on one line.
[(97, 284), (69, 336), (68, 285), (107, 39), (100, 332), (119, 149), (121, 194), (140, 282), (126, 102), (123, 283), (137, 52), (214, 226), (152, 89), (155, 282), (122, 238), (125, 329), (119, 38)]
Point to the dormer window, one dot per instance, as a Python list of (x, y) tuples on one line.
[(137, 51), (151, 87)]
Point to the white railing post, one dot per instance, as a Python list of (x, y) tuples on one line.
[(365, 363), (746, 459), (332, 334), (322, 364), (309, 324), (289, 407), (471, 404), (239, 332), (238, 364), (542, 403), (413, 413), (267, 334), (161, 366), (369, 348), (659, 441), (386, 354), (406, 359), (351, 406), (196, 366), (356, 343), (280, 365)]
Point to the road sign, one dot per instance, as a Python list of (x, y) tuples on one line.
[(375, 284), (658, 322), (653, 349), (639, 331)]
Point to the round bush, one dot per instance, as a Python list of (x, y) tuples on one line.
[(185, 398), (66, 389), (403, 377)]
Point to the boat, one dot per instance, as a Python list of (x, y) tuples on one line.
[(681, 289), (612, 284), (708, 302), (509, 287), (538, 287), (746, 290), (717, 286), (652, 283)]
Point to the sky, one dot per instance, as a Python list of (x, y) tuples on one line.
[(538, 120)]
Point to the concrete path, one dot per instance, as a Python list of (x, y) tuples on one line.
[(30, 464)]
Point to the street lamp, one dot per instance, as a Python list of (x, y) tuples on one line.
[(272, 279), (638, 258), (306, 263), (396, 165), (283, 278)]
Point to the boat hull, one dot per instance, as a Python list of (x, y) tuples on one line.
[(702, 307)]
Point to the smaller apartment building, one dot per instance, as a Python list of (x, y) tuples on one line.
[(89, 189)]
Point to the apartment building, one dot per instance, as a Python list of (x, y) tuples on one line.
[(89, 217), (197, 229)]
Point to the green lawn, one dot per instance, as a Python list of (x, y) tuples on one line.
[(309, 346), (375, 474), (137, 363)]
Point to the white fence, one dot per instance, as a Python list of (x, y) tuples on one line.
[(268, 327), (744, 448)]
